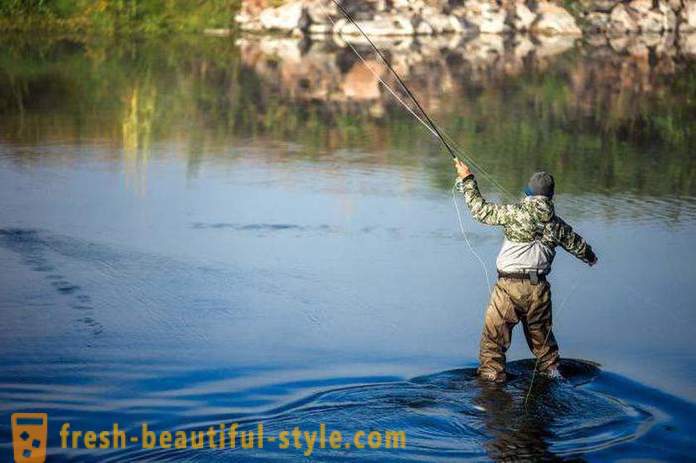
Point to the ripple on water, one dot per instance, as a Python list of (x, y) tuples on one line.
[(446, 416)]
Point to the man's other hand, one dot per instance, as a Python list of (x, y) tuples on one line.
[(591, 257), (462, 169)]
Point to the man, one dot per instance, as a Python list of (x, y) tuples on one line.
[(532, 232)]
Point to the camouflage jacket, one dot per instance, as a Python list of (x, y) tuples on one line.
[(531, 219)]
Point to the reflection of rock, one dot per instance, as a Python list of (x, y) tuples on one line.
[(328, 72), (552, 45), (360, 83)]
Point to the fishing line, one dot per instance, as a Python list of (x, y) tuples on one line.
[(393, 93), (446, 140), (466, 238), (430, 125), (401, 82), (546, 339)]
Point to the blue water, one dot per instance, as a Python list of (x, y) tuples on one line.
[(204, 274)]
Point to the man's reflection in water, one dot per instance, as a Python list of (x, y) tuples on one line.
[(517, 432)]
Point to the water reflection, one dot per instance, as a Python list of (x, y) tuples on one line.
[(605, 117)]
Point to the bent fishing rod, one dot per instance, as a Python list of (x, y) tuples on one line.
[(433, 126)]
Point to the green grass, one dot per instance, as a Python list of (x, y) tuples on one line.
[(116, 16)]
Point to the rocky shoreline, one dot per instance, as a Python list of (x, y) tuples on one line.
[(310, 65), (429, 17)]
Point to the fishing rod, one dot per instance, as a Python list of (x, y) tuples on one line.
[(433, 126)]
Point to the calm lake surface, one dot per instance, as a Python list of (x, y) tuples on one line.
[(205, 230)]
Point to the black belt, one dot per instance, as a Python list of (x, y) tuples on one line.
[(533, 276)]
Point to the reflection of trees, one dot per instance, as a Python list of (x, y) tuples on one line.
[(517, 105), (139, 112), (600, 119)]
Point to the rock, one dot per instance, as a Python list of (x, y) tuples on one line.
[(597, 22), (687, 16), (595, 40), (319, 11), (401, 4), (424, 28), (381, 25), (359, 9), (622, 21), (687, 43), (676, 5), (552, 19), (603, 6), (382, 5), (523, 16), (286, 17), (620, 43), (650, 19), (487, 17), (439, 23)]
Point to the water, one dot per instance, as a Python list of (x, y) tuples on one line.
[(202, 230)]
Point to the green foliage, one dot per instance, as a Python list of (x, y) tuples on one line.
[(116, 16)]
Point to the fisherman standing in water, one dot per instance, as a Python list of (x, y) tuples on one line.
[(532, 232)]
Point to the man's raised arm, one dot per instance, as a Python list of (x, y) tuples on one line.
[(481, 210)]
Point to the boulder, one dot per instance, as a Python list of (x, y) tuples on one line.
[(676, 5), (687, 16), (319, 11), (486, 16), (443, 23), (553, 19), (247, 22), (687, 44), (359, 9), (650, 19), (597, 21), (423, 28), (622, 21), (603, 6), (380, 25), (287, 17), (523, 16)]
